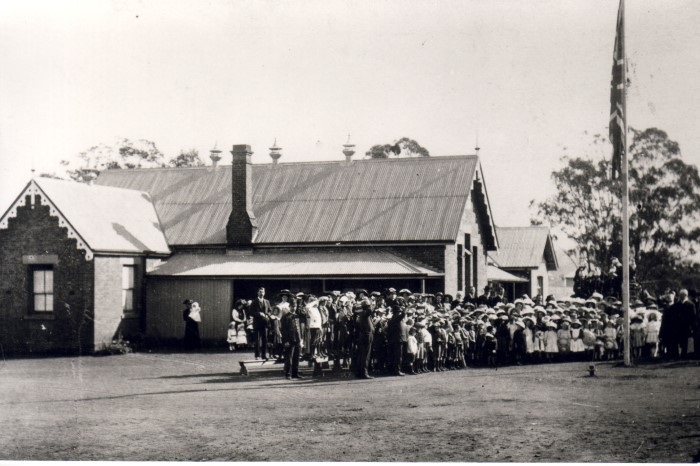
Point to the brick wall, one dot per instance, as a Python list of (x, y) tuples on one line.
[(110, 319), (469, 225), (69, 328)]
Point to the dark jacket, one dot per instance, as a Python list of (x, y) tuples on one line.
[(397, 330), (260, 312), (290, 329), (686, 311), (364, 325)]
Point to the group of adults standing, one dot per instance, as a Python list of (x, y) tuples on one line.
[(680, 326)]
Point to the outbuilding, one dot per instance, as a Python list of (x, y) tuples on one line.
[(527, 254)]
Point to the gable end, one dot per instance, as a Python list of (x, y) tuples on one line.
[(32, 191)]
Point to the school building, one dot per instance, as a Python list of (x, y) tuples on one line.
[(84, 264)]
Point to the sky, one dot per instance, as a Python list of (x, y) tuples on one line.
[(530, 80)]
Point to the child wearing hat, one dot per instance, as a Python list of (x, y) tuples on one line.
[(577, 346), (459, 346), (564, 338), (651, 340), (519, 343), (551, 347), (637, 335), (610, 339), (470, 343), (529, 335), (490, 347), (450, 352), (427, 351), (588, 337), (411, 351), (436, 345)]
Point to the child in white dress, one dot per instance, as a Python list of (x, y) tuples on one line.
[(550, 341), (652, 336), (577, 346)]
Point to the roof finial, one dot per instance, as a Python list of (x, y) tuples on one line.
[(476, 146), (215, 155), (349, 150), (275, 152)]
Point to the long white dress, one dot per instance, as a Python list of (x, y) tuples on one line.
[(529, 341), (577, 345), (550, 341)]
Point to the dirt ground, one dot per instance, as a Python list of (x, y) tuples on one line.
[(150, 406)]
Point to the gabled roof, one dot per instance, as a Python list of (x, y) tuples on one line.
[(102, 219), (411, 199), (524, 247), (567, 264)]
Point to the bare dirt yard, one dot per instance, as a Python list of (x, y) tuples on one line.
[(172, 406)]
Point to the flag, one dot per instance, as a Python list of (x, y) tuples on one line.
[(617, 94)]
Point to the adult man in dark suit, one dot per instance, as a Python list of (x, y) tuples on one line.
[(365, 335), (687, 316), (471, 296), (291, 339), (676, 326), (484, 298), (260, 310), (397, 338)]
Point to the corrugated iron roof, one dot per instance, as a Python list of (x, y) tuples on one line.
[(412, 199), (291, 264), (524, 247), (108, 219), (499, 275)]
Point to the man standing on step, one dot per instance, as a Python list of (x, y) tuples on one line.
[(260, 310)]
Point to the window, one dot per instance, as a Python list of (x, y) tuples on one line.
[(540, 286), (128, 288), (460, 258), (468, 260), (475, 264), (42, 289)]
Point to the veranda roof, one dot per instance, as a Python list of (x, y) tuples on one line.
[(495, 274), (292, 264)]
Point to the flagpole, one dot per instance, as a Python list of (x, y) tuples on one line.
[(625, 210)]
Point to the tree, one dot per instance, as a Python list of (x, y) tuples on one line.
[(189, 158), (406, 146), (664, 208), (51, 175), (123, 154)]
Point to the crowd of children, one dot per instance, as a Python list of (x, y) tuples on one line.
[(416, 333)]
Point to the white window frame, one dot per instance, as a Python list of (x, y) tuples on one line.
[(43, 291), (128, 289)]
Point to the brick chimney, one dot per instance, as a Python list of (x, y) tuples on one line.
[(242, 225)]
